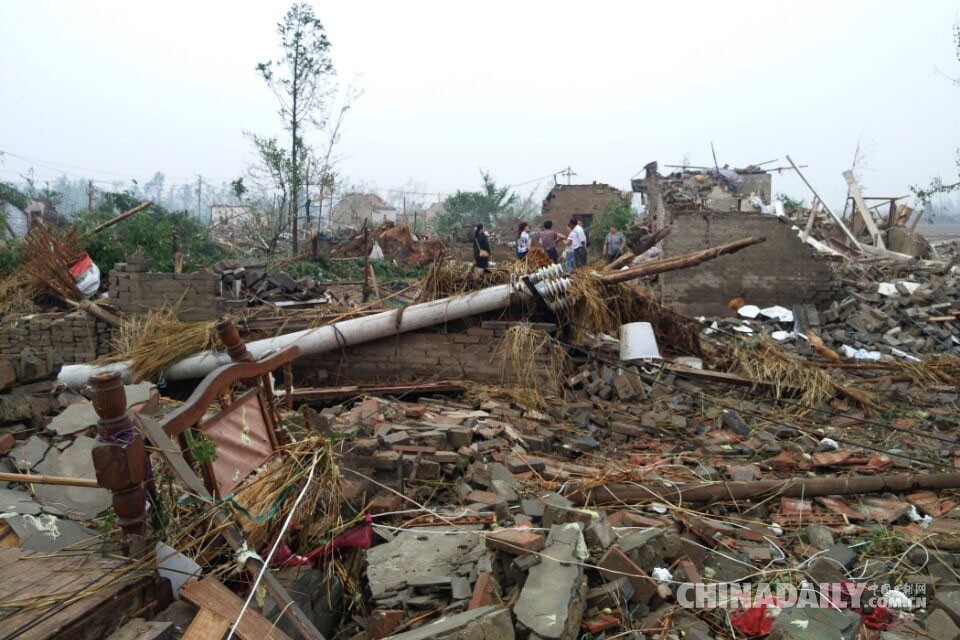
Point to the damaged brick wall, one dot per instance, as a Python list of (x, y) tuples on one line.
[(419, 355), (783, 270), (583, 200), (75, 336), (193, 294)]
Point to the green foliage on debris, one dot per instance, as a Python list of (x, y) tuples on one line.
[(10, 256), (201, 447), (790, 203), (616, 212), (155, 233), (326, 268), (9, 193)]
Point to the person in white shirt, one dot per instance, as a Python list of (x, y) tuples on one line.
[(580, 245), (523, 241), (568, 252)]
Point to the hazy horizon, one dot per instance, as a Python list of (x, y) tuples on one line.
[(117, 91)]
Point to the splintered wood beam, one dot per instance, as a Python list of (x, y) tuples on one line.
[(679, 262), (863, 210), (837, 220)]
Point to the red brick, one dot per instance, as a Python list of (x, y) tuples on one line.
[(7, 442), (385, 503), (416, 411), (601, 622), (519, 542), (616, 564), (486, 591), (485, 497), (382, 623)]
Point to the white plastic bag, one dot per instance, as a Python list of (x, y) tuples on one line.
[(87, 276)]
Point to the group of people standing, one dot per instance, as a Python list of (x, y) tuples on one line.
[(575, 241)]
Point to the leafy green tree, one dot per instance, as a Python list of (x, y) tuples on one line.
[(300, 81), (238, 189), (486, 206), (156, 233), (617, 212)]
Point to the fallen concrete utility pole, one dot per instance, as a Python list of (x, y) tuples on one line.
[(679, 262), (790, 488), (327, 338)]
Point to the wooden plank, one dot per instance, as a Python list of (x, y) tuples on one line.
[(810, 219), (87, 596), (210, 593), (95, 615), (207, 626), (862, 209)]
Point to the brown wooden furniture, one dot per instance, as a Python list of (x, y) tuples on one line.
[(244, 431)]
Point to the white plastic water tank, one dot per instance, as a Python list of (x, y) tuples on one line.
[(637, 342)]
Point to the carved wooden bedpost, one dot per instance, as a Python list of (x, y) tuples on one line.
[(230, 337), (237, 350), (119, 458)]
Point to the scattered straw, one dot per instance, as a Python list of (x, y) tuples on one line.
[(47, 258), (17, 294), (157, 340), (598, 307), (789, 375), (531, 361)]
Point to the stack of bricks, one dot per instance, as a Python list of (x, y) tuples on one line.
[(75, 336), (193, 295), (419, 355)]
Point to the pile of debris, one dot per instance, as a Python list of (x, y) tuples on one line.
[(394, 241), (891, 309), (248, 282)]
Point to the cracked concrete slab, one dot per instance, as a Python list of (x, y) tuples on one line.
[(79, 503)]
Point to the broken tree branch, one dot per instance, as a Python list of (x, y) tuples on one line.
[(679, 262), (120, 218), (97, 311), (790, 488)]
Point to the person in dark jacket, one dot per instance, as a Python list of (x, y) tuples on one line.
[(481, 248)]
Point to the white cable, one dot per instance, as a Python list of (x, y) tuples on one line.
[(266, 563)]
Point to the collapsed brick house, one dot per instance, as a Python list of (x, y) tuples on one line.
[(707, 208)]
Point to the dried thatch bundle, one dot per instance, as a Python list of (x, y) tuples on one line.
[(788, 374), (47, 258), (451, 277), (266, 497), (158, 339), (599, 307), (17, 294), (532, 362)]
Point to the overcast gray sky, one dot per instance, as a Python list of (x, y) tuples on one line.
[(523, 89)]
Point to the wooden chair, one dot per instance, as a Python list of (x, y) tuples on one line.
[(243, 431)]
